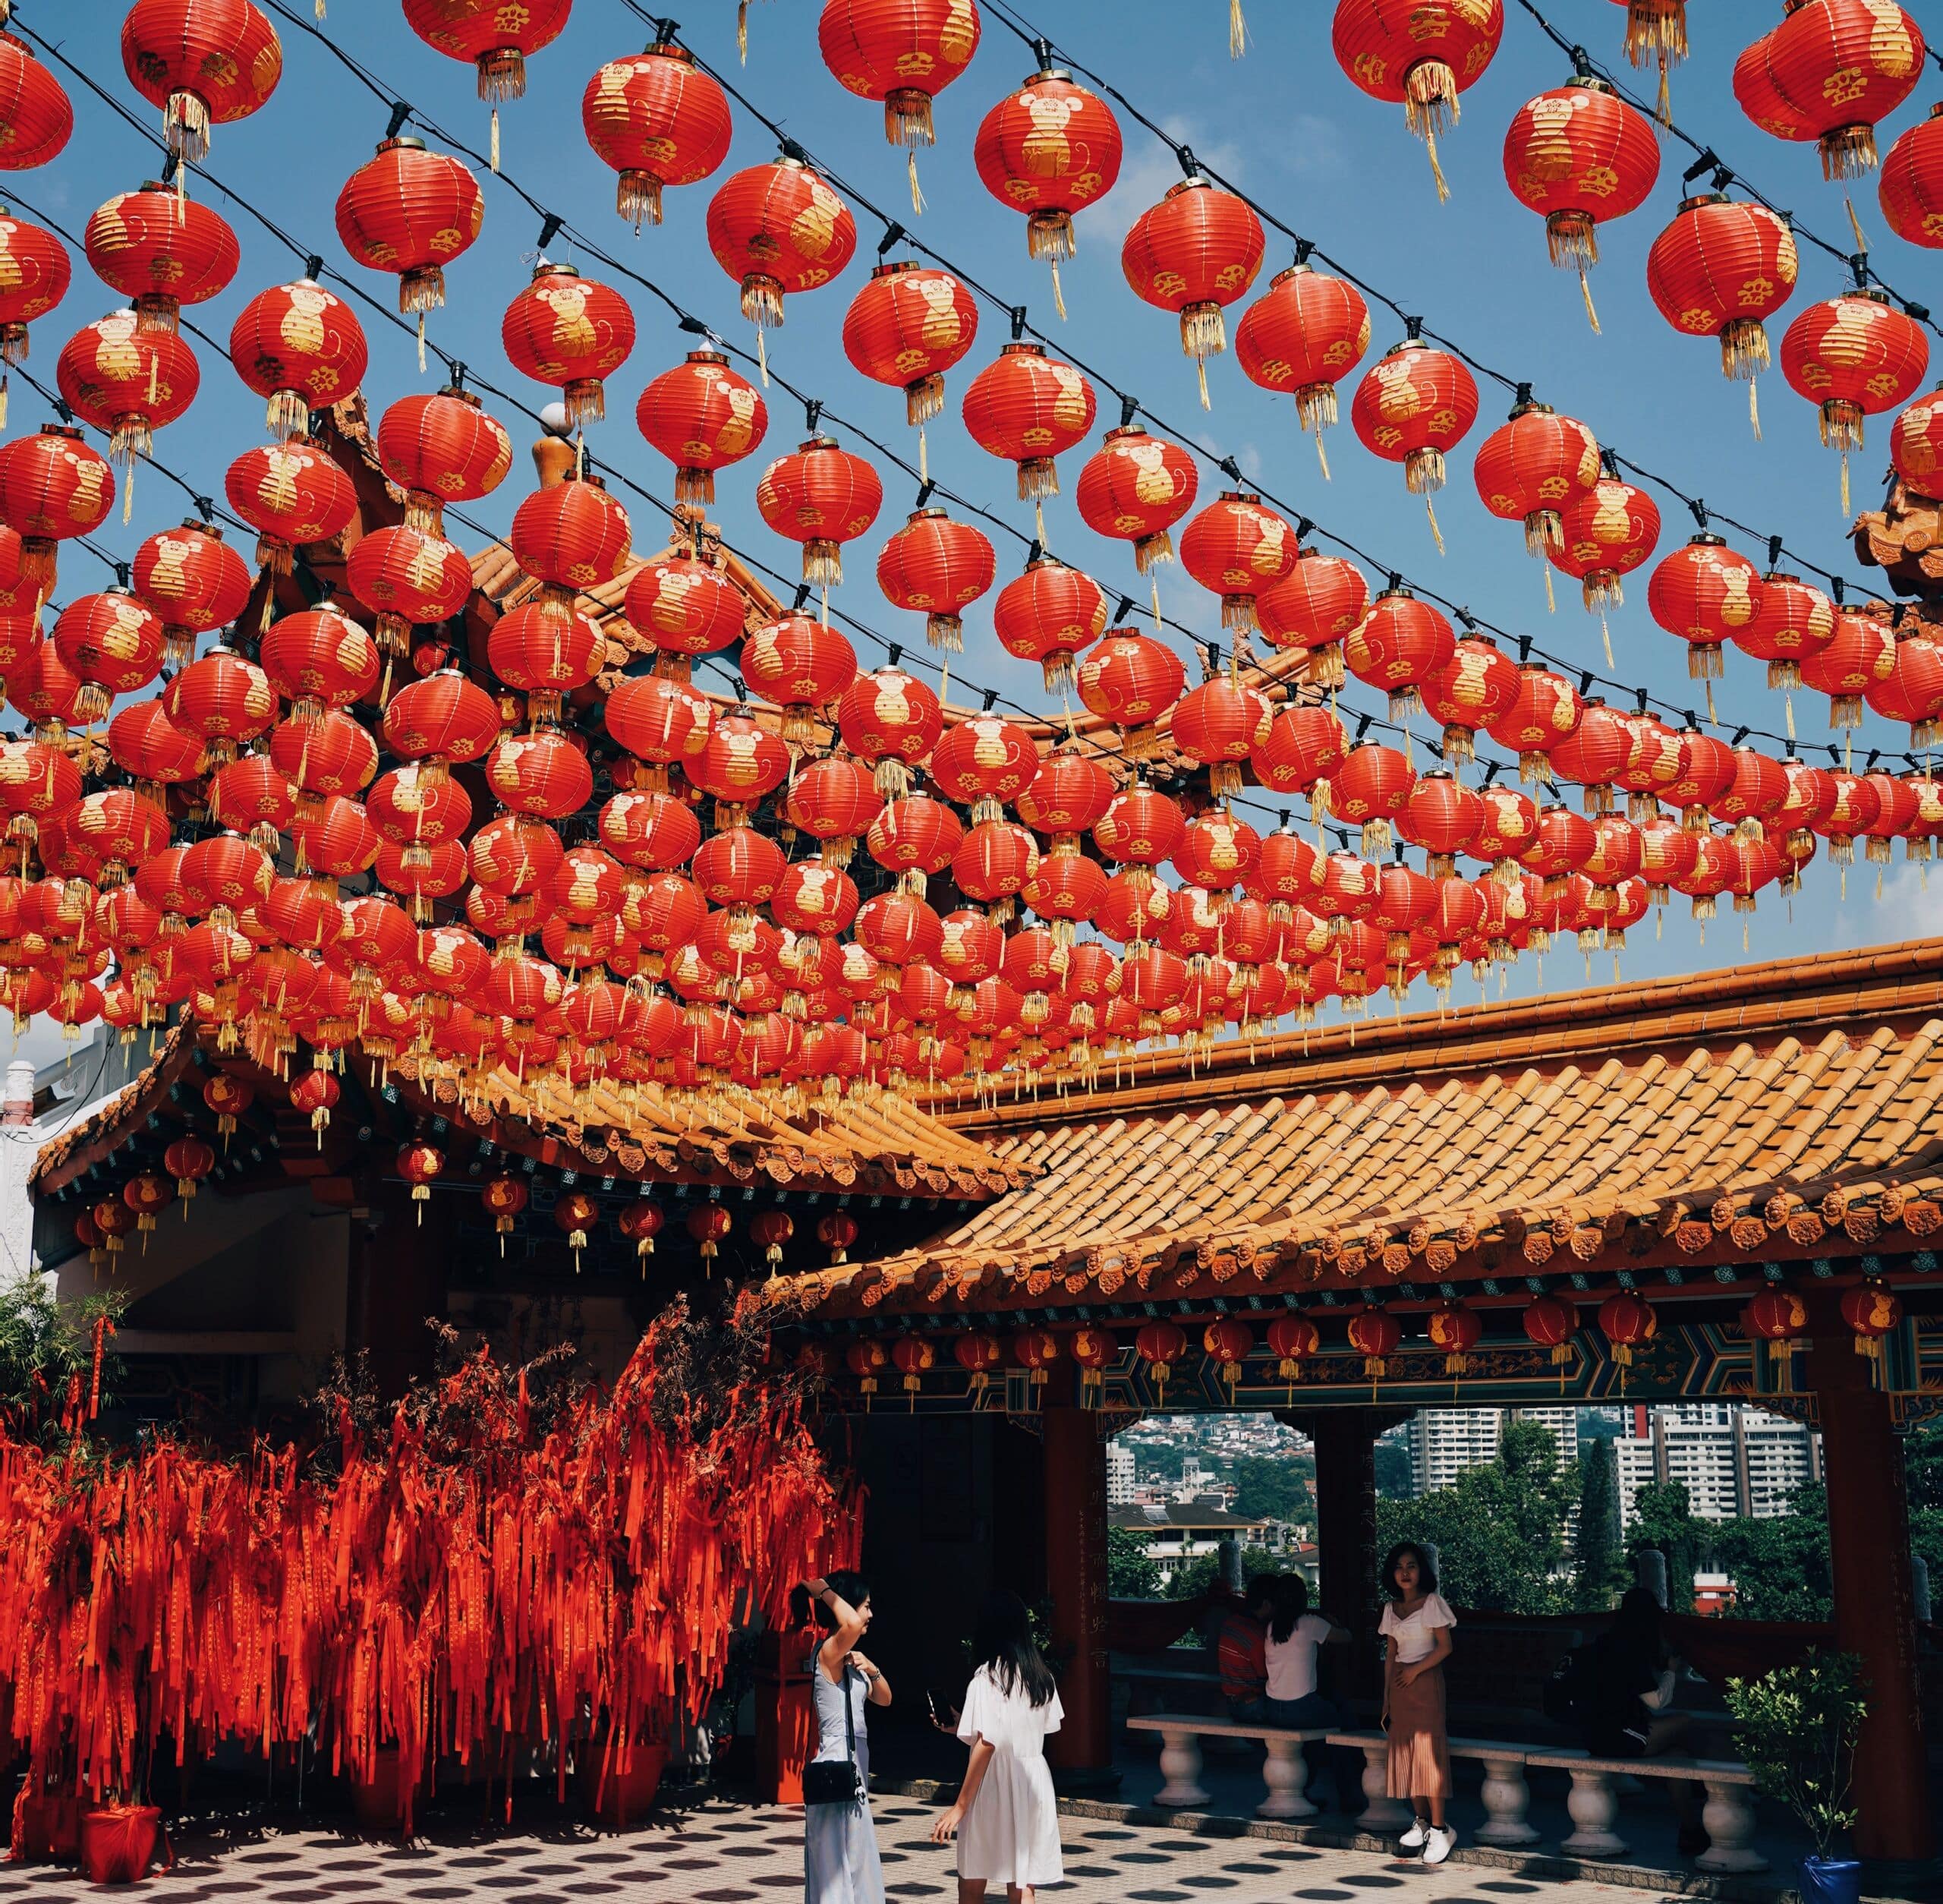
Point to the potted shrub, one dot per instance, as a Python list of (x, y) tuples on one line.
[(1796, 1728)]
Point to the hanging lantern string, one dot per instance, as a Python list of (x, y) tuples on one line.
[(694, 324)]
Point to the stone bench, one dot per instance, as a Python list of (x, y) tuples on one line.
[(1507, 1797), (1593, 1804), (1284, 1771)]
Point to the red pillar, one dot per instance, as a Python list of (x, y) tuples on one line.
[(1076, 1583), (785, 1713), (1869, 1551)]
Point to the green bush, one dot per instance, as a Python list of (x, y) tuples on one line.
[(1796, 1728)]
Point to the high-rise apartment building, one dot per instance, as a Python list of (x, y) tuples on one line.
[(1443, 1442), (1119, 1474), (1733, 1460)]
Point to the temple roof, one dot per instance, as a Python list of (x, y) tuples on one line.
[(1776, 1111)]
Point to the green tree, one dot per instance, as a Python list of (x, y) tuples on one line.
[(1131, 1572), (1499, 1529), (1273, 1487), (1396, 1480), (1663, 1518), (1599, 1572), (1779, 1566)]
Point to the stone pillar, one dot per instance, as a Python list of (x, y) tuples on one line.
[(1868, 1545), (1081, 1750)]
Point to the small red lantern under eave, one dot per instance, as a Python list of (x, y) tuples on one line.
[(1374, 1334), (640, 1223), (1093, 1350), (978, 1353), (708, 1224), (1871, 1310), (1455, 1330), (88, 1234), (114, 1219), (1229, 1343), (146, 1194), (1038, 1350), (504, 1198), (914, 1355), (1292, 1339), (1551, 1322), (575, 1214), (188, 1160), (418, 1164), (1627, 1321), (868, 1360), (836, 1232), (772, 1230), (1779, 1318), (1160, 1345)]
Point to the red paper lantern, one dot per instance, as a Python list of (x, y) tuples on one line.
[(1627, 1321), (1870, 1308), (1368, 789), (1704, 593), (937, 568), (770, 1231), (703, 416), (893, 720), (160, 250), (1609, 530), (1322, 600), (1579, 154), (503, 1197), (658, 120), (1401, 643), (444, 447), (188, 1160), (36, 119), (127, 381), (1530, 467), (114, 1220), (1160, 1345), (1220, 724), (823, 497), (204, 62), (497, 40), (1132, 680), (1413, 405), (1374, 1334), (406, 577), (901, 52), (1779, 1318), (1197, 250), (802, 665), (574, 1214), (1793, 620), (412, 212), (193, 581), (317, 659), (572, 535), (315, 1091), (1048, 615), (1828, 72), (836, 1232), (113, 643), (301, 348), (1855, 356), (1228, 1343), (571, 332), (908, 326), (777, 229), (1133, 488), (708, 1224), (293, 495), (1306, 334), (1397, 53), (1911, 188), (1551, 1322), (1292, 1339), (1718, 270), (1049, 149), (1029, 408), (978, 1353), (1457, 1331), (1238, 549), (442, 718), (1302, 746), (33, 279)]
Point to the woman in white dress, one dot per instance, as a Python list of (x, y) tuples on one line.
[(1006, 1820)]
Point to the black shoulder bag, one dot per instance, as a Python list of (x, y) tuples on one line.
[(835, 1781)]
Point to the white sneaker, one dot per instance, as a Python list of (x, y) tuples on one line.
[(1413, 1839), (1438, 1845)]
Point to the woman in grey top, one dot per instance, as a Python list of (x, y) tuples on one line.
[(840, 1864)]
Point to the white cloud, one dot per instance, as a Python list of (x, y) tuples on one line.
[(1148, 172), (1910, 905)]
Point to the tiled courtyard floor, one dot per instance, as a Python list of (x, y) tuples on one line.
[(718, 1853)]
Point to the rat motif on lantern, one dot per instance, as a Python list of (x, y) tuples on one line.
[(908, 326), (658, 120), (702, 416), (1413, 405), (1579, 155), (1872, 1310), (1854, 356), (300, 347), (571, 332), (1049, 149), (777, 229), (159, 249)]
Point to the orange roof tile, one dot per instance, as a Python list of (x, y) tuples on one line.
[(1779, 1111)]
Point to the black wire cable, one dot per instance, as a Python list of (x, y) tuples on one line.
[(1225, 465)]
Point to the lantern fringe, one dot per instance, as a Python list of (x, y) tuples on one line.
[(1436, 534), (1849, 152), (185, 124), (1754, 406), (637, 196), (1586, 292)]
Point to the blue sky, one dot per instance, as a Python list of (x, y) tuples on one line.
[(1284, 122)]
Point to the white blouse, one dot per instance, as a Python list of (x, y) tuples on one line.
[(1415, 1631)]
